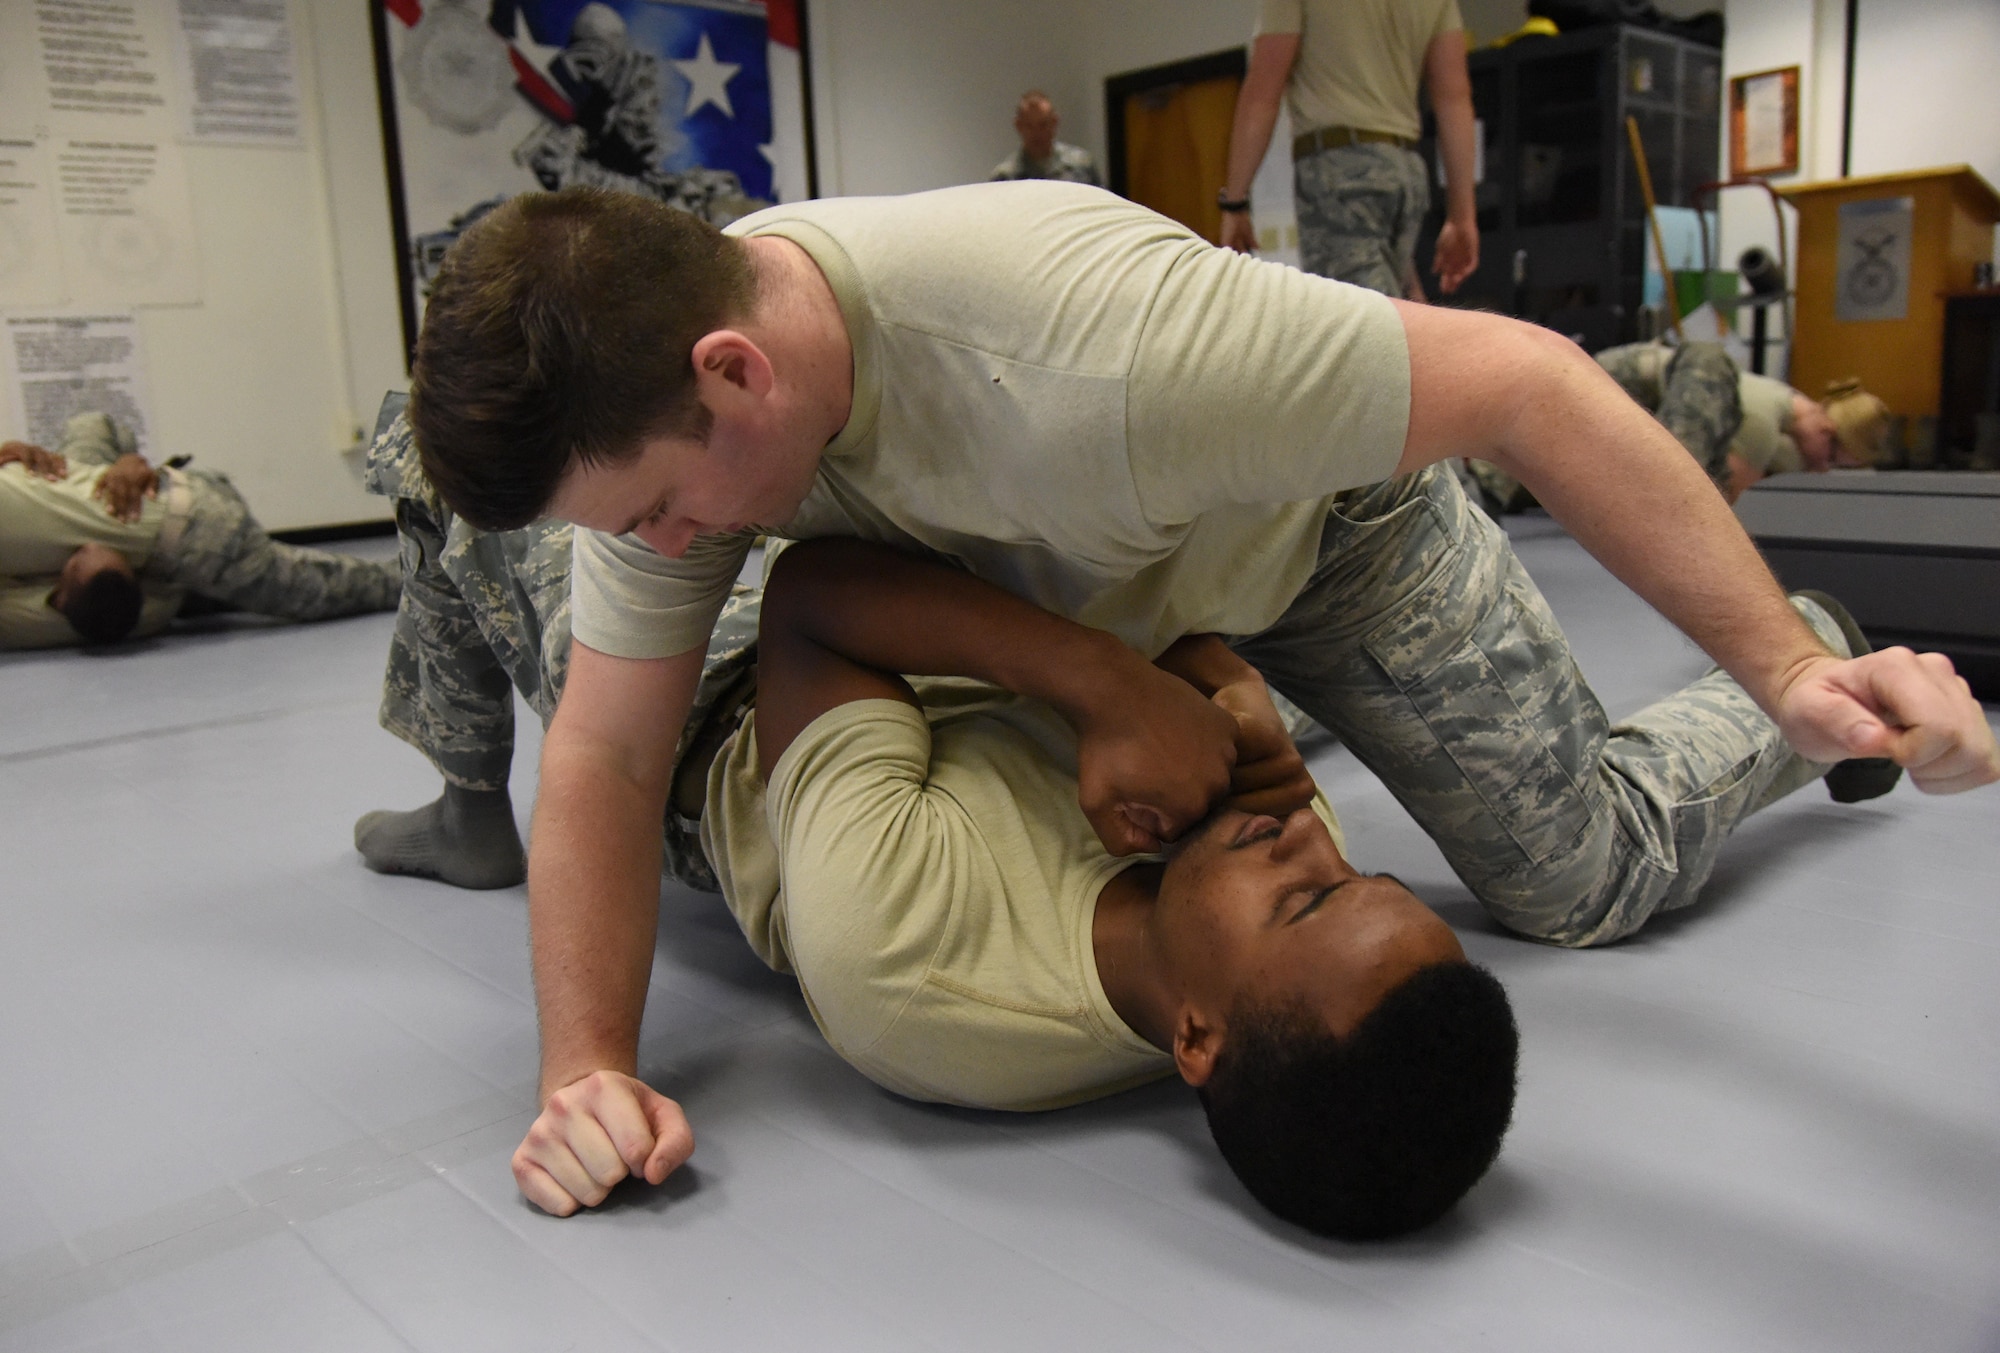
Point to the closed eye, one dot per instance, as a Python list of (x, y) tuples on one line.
[(1319, 898), (647, 520)]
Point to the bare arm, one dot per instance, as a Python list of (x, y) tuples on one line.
[(593, 903), (42, 463), (1530, 401), (1257, 103), (842, 616), (1450, 86)]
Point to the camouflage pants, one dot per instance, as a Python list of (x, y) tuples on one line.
[(224, 554), (486, 611), (1696, 396), (1359, 210), (1423, 644)]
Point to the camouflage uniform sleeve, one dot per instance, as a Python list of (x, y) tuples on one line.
[(94, 439), (444, 692)]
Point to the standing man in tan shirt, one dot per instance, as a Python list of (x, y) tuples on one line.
[(1347, 72)]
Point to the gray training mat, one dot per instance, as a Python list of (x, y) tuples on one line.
[(260, 1098)]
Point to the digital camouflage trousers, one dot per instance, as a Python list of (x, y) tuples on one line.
[(223, 554), (1697, 396), (1359, 210), (1424, 646), (486, 613)]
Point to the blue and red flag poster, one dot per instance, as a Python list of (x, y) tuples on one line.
[(702, 104)]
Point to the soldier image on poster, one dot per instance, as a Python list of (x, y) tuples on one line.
[(695, 103), (617, 92)]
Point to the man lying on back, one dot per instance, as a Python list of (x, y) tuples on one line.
[(916, 855), (96, 546)]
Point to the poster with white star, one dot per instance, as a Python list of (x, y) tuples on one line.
[(702, 104)]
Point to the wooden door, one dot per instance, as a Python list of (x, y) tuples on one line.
[(1169, 133), (1177, 150)]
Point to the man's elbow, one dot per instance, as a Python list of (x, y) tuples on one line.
[(578, 758), (1454, 105), (615, 727), (1543, 376)]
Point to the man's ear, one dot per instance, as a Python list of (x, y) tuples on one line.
[(1198, 1042), (728, 367)]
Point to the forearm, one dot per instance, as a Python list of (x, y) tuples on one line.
[(1257, 103), (1206, 663), (895, 613), (593, 908), (1631, 495), (594, 868), (1456, 132), (1250, 138)]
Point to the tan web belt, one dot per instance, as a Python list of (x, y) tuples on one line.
[(1327, 138)]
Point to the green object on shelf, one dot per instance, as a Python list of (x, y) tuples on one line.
[(1691, 288)]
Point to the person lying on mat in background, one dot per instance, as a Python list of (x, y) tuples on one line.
[(1740, 427), (96, 546)]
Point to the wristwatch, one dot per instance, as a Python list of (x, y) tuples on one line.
[(1224, 201)]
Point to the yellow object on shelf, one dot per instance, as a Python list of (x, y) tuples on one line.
[(1534, 28)]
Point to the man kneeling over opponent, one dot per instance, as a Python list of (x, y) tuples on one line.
[(919, 859)]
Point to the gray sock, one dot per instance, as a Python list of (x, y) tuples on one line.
[(466, 838)]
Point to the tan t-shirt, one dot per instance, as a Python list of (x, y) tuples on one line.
[(1075, 398), (932, 884), (1360, 62), (42, 523), (1764, 440)]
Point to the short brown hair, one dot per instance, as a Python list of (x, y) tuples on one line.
[(561, 330)]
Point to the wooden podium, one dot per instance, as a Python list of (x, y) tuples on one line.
[(1877, 257)]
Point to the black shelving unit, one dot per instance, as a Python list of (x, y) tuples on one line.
[(1562, 222)]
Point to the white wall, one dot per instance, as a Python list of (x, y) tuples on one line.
[(914, 94), (1112, 37), (1927, 86), (255, 379), (364, 255)]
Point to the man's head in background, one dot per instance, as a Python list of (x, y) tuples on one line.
[(1035, 120), (1850, 427), (99, 594)]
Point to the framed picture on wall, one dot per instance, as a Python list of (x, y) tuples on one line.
[(703, 104), (1764, 123)]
